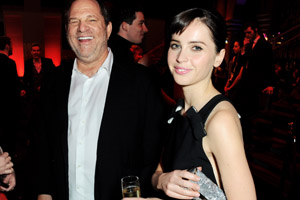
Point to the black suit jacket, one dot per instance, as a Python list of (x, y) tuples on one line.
[(9, 101), (121, 48), (129, 138), (260, 71), (28, 79)]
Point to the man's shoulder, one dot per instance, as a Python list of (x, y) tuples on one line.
[(29, 62), (129, 66), (6, 60), (135, 71), (46, 59), (65, 66), (264, 43)]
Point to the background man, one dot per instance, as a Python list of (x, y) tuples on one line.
[(129, 29), (258, 75), (9, 97)]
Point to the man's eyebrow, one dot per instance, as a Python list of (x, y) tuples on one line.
[(88, 16)]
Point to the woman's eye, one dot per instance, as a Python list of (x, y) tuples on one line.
[(174, 46), (197, 48)]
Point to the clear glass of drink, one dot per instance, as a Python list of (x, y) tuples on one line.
[(130, 186)]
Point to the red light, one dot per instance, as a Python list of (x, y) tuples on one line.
[(14, 30)]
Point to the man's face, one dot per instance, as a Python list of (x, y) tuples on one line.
[(35, 51), (87, 32), (250, 33), (137, 29)]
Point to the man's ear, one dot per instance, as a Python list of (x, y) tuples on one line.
[(6, 47), (109, 29), (219, 58), (124, 26)]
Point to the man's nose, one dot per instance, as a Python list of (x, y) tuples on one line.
[(82, 26), (145, 28)]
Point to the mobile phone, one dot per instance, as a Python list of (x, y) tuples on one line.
[(208, 189)]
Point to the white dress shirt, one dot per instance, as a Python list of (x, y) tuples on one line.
[(85, 109)]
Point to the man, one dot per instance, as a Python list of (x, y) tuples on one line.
[(101, 118), (258, 75), (36, 68), (9, 97), (8, 100), (129, 29), (260, 61)]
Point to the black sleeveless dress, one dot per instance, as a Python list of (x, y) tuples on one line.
[(183, 148)]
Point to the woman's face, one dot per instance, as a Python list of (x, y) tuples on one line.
[(236, 47), (192, 55)]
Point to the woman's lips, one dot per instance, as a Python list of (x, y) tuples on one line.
[(181, 70)]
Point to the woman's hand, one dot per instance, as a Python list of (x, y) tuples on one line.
[(177, 184), (10, 180), (5, 164)]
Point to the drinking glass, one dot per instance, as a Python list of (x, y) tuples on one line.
[(130, 186)]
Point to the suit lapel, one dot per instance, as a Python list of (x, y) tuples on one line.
[(64, 83), (119, 84)]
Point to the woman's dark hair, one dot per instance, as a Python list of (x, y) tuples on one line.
[(103, 9), (240, 41), (212, 19)]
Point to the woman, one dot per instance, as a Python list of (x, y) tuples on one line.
[(205, 129), (238, 62)]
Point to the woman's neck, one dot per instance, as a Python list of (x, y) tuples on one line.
[(198, 95)]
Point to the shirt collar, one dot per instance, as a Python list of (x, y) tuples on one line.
[(255, 41), (107, 65)]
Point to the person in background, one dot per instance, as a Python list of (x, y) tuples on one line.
[(101, 119), (9, 87), (205, 129), (232, 87), (129, 29), (258, 81), (36, 70)]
